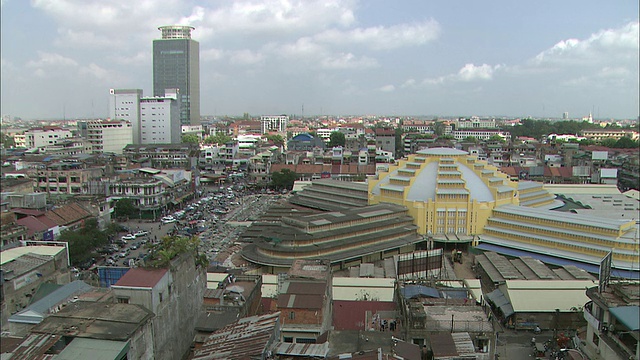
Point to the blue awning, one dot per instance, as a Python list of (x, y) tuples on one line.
[(628, 316), (549, 259)]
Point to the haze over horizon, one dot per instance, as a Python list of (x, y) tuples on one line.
[(60, 58)]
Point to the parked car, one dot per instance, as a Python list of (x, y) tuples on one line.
[(168, 219), (141, 233), (128, 237)]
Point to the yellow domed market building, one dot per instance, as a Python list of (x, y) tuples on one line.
[(438, 198)]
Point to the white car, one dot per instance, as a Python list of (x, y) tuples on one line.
[(128, 237), (141, 233), (168, 219)]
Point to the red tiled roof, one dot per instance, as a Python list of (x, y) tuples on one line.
[(68, 214), (31, 212), (350, 315), (143, 278), (33, 225)]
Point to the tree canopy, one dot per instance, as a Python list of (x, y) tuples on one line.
[(218, 138), (276, 139), (84, 241), (336, 139), (190, 138), (283, 179), (125, 208), (169, 247), (539, 128)]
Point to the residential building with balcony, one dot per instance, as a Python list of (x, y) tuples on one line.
[(601, 134), (613, 318), (164, 156), (67, 178)]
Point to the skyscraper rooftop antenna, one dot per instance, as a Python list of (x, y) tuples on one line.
[(176, 31)]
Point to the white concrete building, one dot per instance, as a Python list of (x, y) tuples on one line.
[(45, 136), (274, 123), (124, 104), (192, 130), (160, 119), (109, 136), (480, 134)]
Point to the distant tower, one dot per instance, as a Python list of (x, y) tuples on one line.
[(176, 65), (565, 115)]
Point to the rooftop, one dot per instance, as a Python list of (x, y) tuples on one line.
[(141, 278), (246, 338)]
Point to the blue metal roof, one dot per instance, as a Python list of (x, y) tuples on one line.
[(629, 316), (500, 301), (411, 291), (549, 259)]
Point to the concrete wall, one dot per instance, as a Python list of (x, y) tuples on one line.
[(173, 326)]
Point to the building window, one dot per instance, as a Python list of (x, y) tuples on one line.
[(292, 315), (123, 300)]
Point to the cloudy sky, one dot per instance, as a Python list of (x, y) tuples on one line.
[(445, 58)]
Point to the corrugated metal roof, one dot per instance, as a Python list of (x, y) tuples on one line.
[(248, 337), (36, 312), (307, 350), (34, 347)]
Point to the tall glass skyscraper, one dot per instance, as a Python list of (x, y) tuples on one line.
[(176, 65)]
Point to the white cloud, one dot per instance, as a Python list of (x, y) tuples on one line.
[(348, 61), (602, 47), (409, 83), (211, 55), (98, 72), (48, 60), (139, 58), (471, 72), (246, 57), (85, 39), (384, 38), (387, 88), (280, 16)]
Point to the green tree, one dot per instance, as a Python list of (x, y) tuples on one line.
[(190, 138), (6, 141), (84, 241), (125, 208), (283, 179), (169, 247), (587, 142), (496, 138), (438, 128), (609, 142), (336, 139), (471, 139), (626, 143), (276, 139), (218, 138)]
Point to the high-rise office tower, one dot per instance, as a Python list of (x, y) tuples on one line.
[(176, 65)]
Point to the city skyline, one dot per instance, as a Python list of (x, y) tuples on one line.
[(60, 58)]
